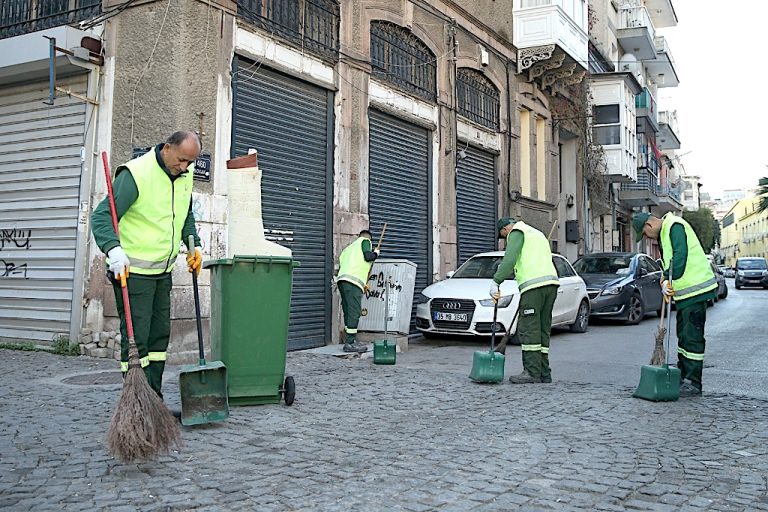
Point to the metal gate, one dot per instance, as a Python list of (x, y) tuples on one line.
[(290, 123), (476, 203), (40, 166), (399, 193)]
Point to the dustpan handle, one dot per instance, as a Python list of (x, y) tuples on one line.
[(386, 306), (191, 247), (493, 325), (669, 317)]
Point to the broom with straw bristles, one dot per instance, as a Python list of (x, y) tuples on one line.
[(659, 357), (142, 427)]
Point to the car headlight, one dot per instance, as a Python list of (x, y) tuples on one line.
[(423, 299), (613, 290), (740, 272), (503, 302), (765, 272)]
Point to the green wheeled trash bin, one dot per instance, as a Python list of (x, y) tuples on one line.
[(250, 309)]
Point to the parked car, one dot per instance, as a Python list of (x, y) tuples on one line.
[(461, 305), (729, 272), (621, 285), (751, 272), (722, 287)]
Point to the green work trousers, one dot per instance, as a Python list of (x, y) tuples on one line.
[(351, 300), (690, 341), (534, 326), (150, 299)]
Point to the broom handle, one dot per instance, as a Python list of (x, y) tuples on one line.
[(123, 281), (381, 236), (200, 348)]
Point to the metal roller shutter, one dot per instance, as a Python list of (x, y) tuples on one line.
[(290, 123), (399, 193), (476, 203), (40, 165)]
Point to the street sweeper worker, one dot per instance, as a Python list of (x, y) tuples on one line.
[(153, 200), (354, 265), (692, 284), (529, 258)]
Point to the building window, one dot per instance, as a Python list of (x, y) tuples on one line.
[(606, 125), (19, 17), (477, 99), (310, 24), (403, 60)]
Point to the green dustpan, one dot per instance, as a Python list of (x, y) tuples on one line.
[(488, 367), (385, 352), (203, 386), (660, 383)]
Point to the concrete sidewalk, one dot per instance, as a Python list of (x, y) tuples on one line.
[(363, 437)]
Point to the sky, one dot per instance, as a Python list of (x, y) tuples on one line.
[(721, 102)]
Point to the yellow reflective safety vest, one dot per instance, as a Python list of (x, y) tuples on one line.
[(698, 277), (352, 265), (150, 231), (534, 267)]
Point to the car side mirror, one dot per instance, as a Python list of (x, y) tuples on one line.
[(659, 263), (450, 274), (643, 272)]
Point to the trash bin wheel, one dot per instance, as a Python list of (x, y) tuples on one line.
[(289, 390)]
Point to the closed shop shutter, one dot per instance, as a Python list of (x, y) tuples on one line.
[(289, 122), (476, 203), (399, 193), (40, 166)]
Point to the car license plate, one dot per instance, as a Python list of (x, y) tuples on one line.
[(451, 317)]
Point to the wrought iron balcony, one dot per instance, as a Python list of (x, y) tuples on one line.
[(312, 25), (19, 17), (645, 192)]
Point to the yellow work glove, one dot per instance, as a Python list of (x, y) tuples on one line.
[(195, 261)]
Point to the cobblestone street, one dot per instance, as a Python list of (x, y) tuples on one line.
[(365, 437)]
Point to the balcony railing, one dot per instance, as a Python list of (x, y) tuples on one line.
[(646, 180), (663, 47), (18, 17), (635, 17), (311, 24)]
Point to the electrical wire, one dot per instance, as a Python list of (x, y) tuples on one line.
[(86, 25), (146, 67)]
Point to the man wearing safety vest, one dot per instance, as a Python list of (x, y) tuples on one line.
[(354, 265), (692, 284), (153, 200), (529, 257)]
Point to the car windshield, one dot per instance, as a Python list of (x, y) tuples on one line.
[(751, 265), (618, 265), (479, 267)]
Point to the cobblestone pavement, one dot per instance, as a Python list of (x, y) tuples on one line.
[(362, 437)]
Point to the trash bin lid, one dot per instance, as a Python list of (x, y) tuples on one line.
[(280, 260)]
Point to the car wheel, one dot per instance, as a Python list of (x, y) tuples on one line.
[(738, 286), (636, 310), (582, 318), (725, 293)]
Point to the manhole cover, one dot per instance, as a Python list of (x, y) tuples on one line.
[(95, 379)]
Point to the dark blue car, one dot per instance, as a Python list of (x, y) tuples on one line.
[(621, 285)]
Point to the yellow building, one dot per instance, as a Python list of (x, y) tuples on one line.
[(744, 231)]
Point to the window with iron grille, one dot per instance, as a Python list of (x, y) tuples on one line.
[(18, 17), (311, 24), (477, 99), (403, 60)]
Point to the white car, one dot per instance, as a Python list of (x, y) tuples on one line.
[(461, 304)]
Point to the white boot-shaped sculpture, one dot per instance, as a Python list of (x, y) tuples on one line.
[(246, 225)]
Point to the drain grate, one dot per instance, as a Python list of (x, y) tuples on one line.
[(95, 379)]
